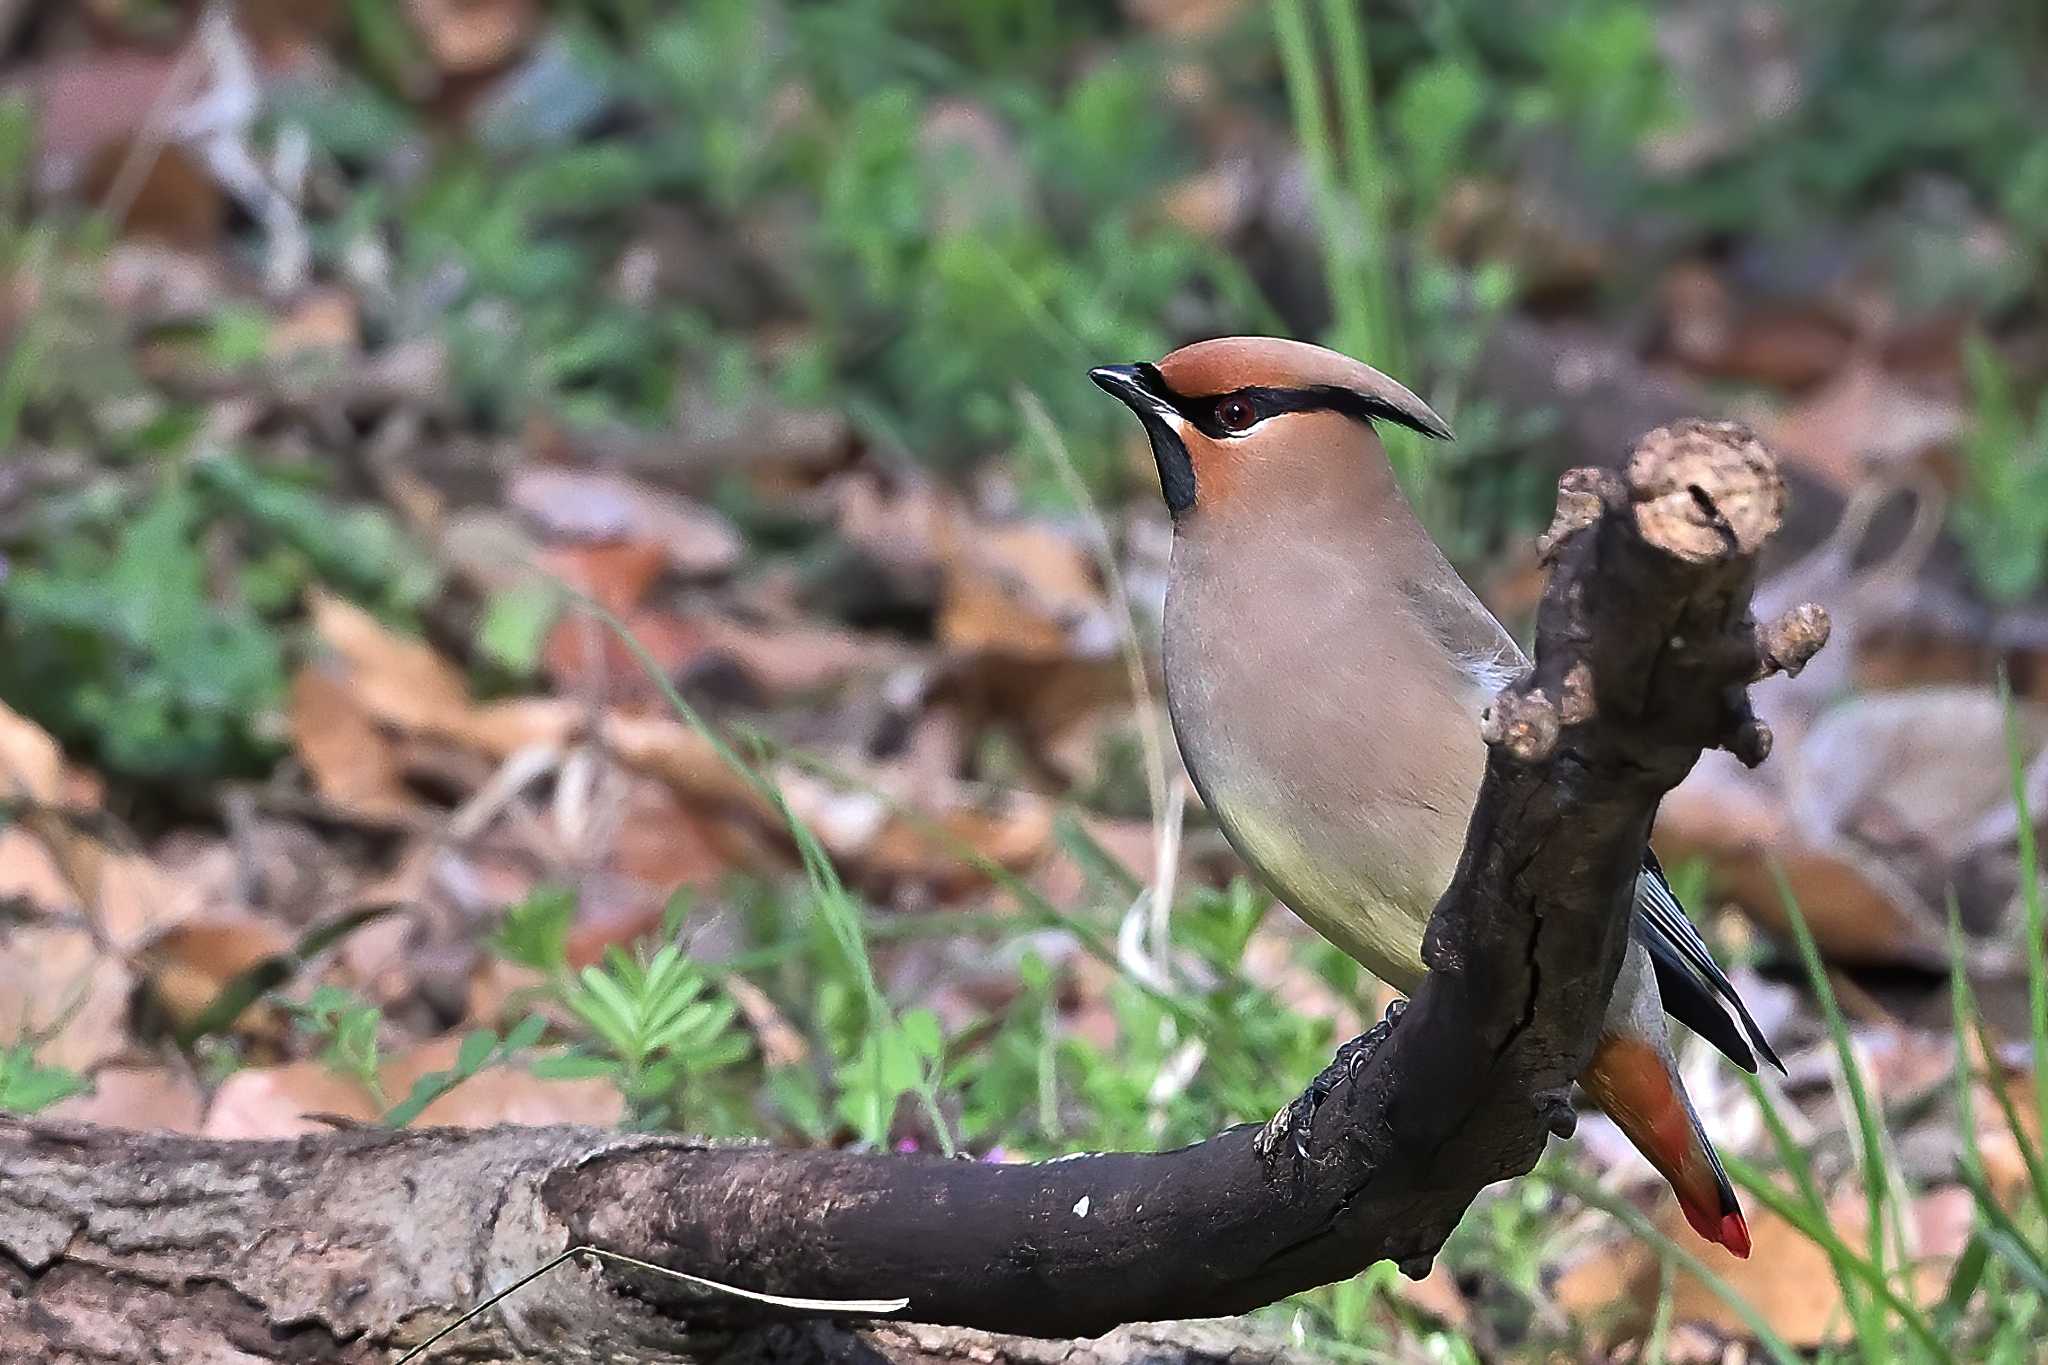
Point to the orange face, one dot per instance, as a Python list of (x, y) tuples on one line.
[(1211, 408)]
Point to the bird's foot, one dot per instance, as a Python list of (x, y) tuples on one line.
[(1291, 1126)]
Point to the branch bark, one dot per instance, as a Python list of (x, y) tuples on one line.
[(120, 1247)]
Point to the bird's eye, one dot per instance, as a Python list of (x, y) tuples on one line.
[(1236, 415)]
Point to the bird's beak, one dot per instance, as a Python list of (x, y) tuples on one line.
[(1142, 389), (1137, 387)]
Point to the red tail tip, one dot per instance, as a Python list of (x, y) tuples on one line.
[(1727, 1229)]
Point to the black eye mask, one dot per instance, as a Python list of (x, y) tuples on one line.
[(1201, 413)]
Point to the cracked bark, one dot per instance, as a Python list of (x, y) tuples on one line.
[(121, 1247)]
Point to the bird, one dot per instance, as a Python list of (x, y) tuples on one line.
[(1326, 669)]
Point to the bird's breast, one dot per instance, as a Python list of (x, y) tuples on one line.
[(1337, 766)]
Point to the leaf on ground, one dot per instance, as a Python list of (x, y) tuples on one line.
[(60, 988), (1021, 591), (1864, 421), (1788, 1279), (350, 758), (188, 967), (921, 843), (323, 322), (281, 1102), (471, 37), (401, 682), (1717, 334), (1873, 816), (506, 1093), (616, 573), (31, 764), (605, 509), (144, 1098)]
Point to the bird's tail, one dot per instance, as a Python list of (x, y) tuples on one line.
[(1637, 1085)]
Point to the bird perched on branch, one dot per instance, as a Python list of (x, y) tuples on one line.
[(1326, 669)]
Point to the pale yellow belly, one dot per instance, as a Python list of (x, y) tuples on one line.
[(1376, 921)]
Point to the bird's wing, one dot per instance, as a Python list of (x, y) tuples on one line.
[(1690, 982)]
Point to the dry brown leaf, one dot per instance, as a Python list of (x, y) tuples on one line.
[(28, 873), (613, 509), (1858, 910), (1437, 1294), (503, 728), (31, 764), (617, 573), (60, 987), (1871, 815), (323, 321), (500, 1094), (279, 1102), (127, 896), (686, 760), (1787, 1278), (469, 37), (1063, 881), (189, 965), (1212, 203), (399, 681), (585, 656), (793, 659), (290, 34), (352, 761), (1715, 334), (1185, 18), (779, 1042), (664, 842), (144, 1098), (878, 843), (1021, 591), (1863, 419)]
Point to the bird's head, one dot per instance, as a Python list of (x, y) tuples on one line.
[(1228, 416)]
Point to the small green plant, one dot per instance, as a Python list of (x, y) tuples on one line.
[(2001, 515), (27, 1085), (122, 649), (660, 1029), (345, 1028), (480, 1048)]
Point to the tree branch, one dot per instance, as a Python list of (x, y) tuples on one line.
[(119, 1247)]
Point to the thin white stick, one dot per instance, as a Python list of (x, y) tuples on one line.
[(854, 1307)]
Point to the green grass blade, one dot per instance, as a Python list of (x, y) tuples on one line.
[(2004, 1236), (1588, 1191), (1816, 1230), (1878, 1177), (2030, 1153), (1793, 1157), (2030, 890), (1963, 1279)]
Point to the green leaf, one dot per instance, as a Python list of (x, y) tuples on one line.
[(475, 1052), (425, 1091), (526, 1033), (26, 1086), (535, 932), (574, 1066), (515, 626)]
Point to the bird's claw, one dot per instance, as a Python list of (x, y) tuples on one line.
[(1293, 1124)]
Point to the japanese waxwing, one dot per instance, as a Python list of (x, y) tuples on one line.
[(1326, 669)]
